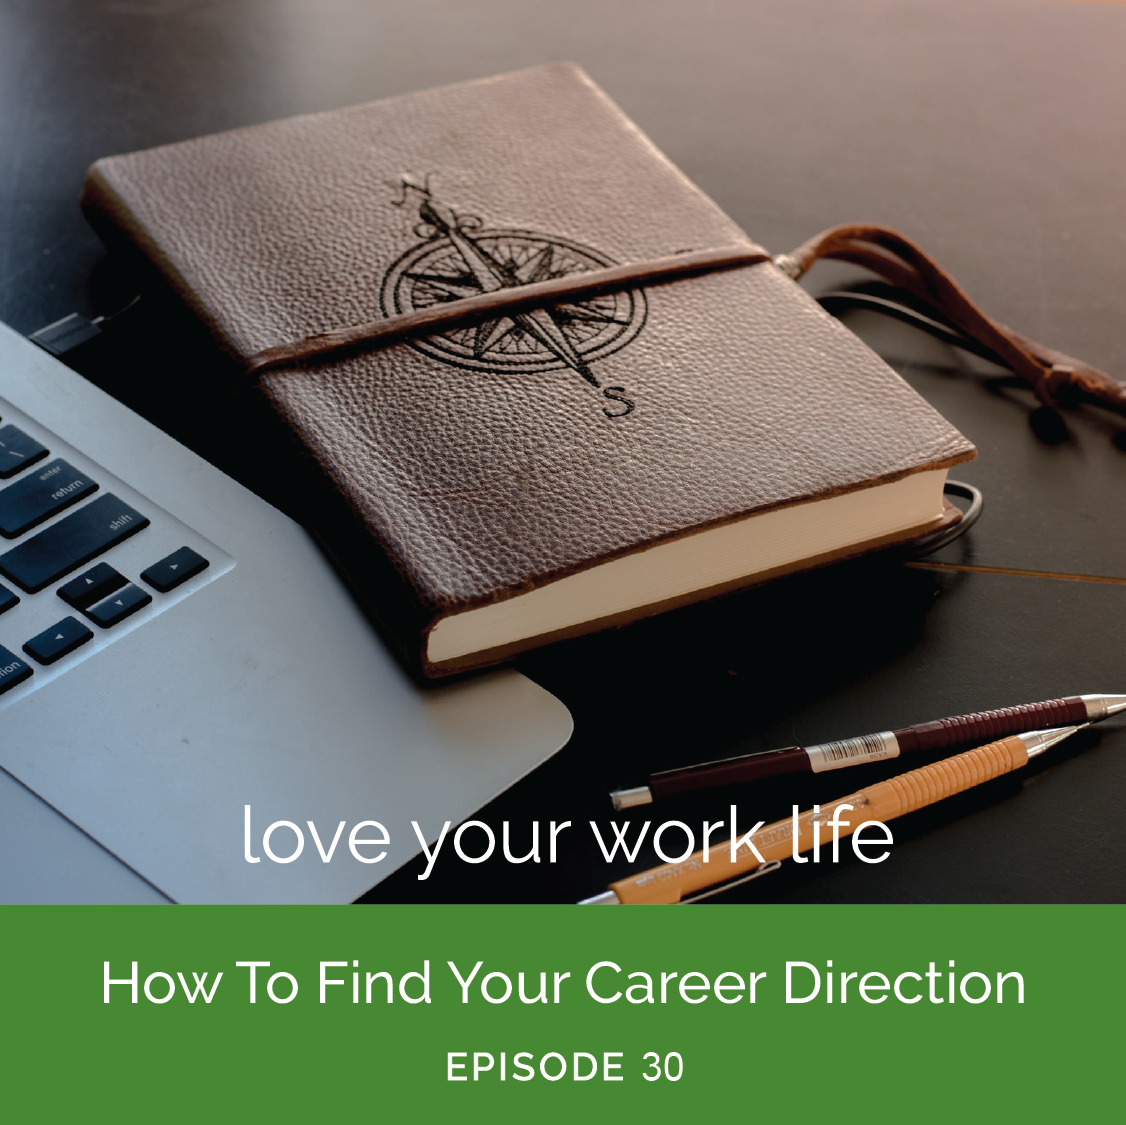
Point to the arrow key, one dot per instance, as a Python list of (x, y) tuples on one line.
[(118, 606), (176, 568), (54, 643), (91, 586)]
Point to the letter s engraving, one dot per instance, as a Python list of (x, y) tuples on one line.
[(617, 394)]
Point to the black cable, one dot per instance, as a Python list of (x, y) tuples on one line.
[(63, 336), (931, 543), (841, 299)]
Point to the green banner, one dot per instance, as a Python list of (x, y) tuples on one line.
[(498, 1013)]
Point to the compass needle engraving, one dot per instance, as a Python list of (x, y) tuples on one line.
[(489, 335), (459, 258)]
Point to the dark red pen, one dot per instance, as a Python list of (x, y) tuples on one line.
[(942, 734)]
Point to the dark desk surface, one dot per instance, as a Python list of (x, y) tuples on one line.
[(992, 132)]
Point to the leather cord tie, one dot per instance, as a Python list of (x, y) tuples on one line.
[(439, 317), (1054, 377)]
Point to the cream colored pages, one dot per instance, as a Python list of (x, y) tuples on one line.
[(755, 545)]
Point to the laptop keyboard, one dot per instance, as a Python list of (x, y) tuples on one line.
[(84, 558)]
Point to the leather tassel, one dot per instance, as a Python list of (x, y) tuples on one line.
[(1056, 379)]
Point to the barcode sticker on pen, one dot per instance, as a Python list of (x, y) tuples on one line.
[(851, 751)]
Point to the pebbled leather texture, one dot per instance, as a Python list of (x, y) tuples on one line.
[(478, 484)]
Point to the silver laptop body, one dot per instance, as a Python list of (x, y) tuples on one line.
[(257, 682)]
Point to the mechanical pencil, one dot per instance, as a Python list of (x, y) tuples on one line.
[(762, 851)]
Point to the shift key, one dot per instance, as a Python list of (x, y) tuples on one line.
[(74, 540)]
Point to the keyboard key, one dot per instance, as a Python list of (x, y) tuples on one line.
[(118, 606), (74, 540), (63, 637), (178, 567), (91, 586), (13, 670), (40, 495), (7, 599), (17, 451)]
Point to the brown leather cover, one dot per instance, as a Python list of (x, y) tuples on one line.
[(482, 463)]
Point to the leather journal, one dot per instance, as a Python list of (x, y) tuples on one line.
[(551, 385)]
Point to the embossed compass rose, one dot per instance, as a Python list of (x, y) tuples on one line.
[(461, 259)]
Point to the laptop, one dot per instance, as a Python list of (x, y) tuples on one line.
[(192, 707)]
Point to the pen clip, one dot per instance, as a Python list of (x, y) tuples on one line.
[(763, 869)]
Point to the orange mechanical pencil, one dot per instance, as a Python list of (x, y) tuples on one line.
[(689, 880)]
